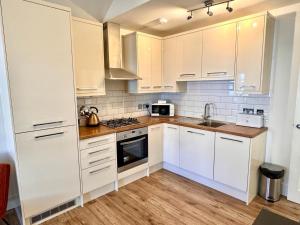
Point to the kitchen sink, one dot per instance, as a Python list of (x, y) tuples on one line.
[(214, 124)]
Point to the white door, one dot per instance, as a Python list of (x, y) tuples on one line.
[(232, 156), (48, 168), (250, 47), (144, 62), (170, 64), (155, 148), (156, 64), (171, 144), (39, 55), (197, 151), (219, 51), (89, 57), (191, 56)]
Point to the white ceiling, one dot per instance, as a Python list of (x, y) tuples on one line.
[(142, 15)]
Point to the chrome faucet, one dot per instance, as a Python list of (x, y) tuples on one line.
[(207, 111)]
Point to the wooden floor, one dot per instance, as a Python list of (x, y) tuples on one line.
[(165, 198)]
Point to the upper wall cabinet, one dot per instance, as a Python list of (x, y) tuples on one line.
[(190, 56), (171, 65), (219, 51), (89, 57), (142, 55), (254, 54)]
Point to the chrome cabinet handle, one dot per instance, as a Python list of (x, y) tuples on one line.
[(173, 128), (187, 75), (192, 132), (229, 139), (99, 160), (169, 86), (49, 135), (248, 86), (217, 73), (298, 126), (132, 142), (156, 86), (155, 128), (98, 171), (87, 88), (145, 87), (100, 141), (95, 152), (48, 123)]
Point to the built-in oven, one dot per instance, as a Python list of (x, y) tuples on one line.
[(132, 148)]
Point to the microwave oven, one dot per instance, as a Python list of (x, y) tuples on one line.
[(162, 109)]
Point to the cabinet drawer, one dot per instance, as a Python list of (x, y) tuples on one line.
[(97, 141), (98, 155), (98, 176)]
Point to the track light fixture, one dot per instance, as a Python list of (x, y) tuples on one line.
[(228, 8), (210, 13), (190, 16), (209, 4)]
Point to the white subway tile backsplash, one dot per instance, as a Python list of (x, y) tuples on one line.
[(228, 104)]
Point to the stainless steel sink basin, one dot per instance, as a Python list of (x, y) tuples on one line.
[(213, 124)]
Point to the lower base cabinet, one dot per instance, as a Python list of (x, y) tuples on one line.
[(232, 158), (197, 150), (98, 162), (155, 146), (171, 144)]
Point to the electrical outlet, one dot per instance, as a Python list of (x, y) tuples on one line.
[(140, 106)]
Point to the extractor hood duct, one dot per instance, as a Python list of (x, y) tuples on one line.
[(112, 52)]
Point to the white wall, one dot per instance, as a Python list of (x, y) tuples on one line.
[(279, 137)]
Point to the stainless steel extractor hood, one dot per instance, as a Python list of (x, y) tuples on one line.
[(112, 53)]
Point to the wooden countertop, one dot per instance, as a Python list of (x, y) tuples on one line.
[(229, 128)]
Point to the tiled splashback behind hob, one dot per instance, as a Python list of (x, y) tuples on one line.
[(119, 103)]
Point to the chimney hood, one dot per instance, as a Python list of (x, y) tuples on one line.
[(112, 53)]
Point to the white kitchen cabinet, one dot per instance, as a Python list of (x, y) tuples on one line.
[(254, 54), (88, 57), (171, 144), (142, 55), (219, 52), (155, 146), (190, 53), (232, 158), (39, 57), (48, 168), (197, 151), (98, 176), (171, 66)]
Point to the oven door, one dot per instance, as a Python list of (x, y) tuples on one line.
[(132, 152)]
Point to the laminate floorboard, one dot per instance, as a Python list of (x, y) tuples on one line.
[(165, 198)]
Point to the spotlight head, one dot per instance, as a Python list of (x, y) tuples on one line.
[(189, 17), (210, 13), (229, 9)]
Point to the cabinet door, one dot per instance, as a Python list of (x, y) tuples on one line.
[(170, 64), (197, 150), (219, 51), (144, 62), (48, 168), (232, 156), (250, 54), (155, 140), (89, 58), (191, 56), (171, 144), (156, 64), (39, 56)]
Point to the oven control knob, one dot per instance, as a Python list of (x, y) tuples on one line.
[(125, 136), (140, 132)]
